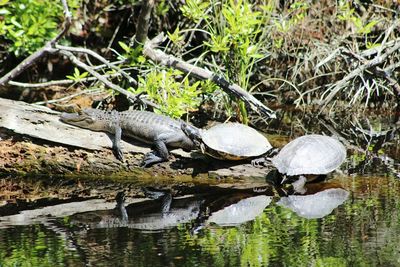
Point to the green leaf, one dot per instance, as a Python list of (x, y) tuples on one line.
[(126, 48), (4, 11)]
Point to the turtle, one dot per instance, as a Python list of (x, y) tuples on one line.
[(309, 157), (228, 141)]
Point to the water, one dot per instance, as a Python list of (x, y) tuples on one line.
[(364, 230), (353, 219)]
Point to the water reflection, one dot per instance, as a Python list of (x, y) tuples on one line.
[(243, 211), (360, 227), (151, 215), (316, 205), (232, 208)]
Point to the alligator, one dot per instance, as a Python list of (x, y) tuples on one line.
[(148, 127)]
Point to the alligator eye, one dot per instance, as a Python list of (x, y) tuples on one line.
[(89, 120)]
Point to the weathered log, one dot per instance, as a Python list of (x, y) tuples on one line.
[(39, 122)]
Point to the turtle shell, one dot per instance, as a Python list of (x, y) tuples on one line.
[(310, 154), (234, 141)]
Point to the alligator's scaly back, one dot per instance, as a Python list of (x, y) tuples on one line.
[(147, 126)]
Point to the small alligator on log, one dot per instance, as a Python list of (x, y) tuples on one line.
[(158, 130)]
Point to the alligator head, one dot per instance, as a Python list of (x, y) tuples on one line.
[(92, 119)]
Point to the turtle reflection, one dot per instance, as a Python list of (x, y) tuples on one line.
[(315, 205), (243, 211)]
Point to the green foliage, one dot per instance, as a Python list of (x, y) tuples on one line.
[(162, 8), (284, 25), (28, 24), (33, 246), (234, 28), (172, 91), (77, 77), (176, 37), (195, 10), (175, 98), (347, 13), (133, 54)]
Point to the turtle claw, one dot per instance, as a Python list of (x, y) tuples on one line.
[(260, 189), (299, 185), (258, 162)]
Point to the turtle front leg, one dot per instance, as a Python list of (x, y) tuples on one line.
[(265, 160), (299, 185), (259, 162)]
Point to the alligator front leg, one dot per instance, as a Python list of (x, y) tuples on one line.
[(116, 129)]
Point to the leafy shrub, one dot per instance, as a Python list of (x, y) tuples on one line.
[(28, 24), (175, 98)]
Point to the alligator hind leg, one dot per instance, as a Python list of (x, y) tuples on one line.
[(150, 159), (160, 152), (159, 155)]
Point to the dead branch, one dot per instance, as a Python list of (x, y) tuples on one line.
[(144, 21), (99, 58), (379, 59), (102, 79), (29, 61), (42, 123), (167, 60), (59, 82)]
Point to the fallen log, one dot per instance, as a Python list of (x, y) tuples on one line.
[(47, 145)]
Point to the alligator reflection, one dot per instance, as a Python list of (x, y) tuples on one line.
[(160, 213), (232, 208)]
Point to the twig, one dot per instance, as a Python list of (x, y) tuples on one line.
[(116, 32), (59, 82), (370, 63), (386, 74), (101, 78), (167, 60), (387, 33), (328, 58), (29, 61), (99, 58)]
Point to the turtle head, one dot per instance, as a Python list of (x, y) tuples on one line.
[(193, 133)]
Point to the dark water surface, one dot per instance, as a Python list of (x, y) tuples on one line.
[(363, 231)]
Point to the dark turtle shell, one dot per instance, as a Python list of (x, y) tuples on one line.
[(310, 154), (234, 141)]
